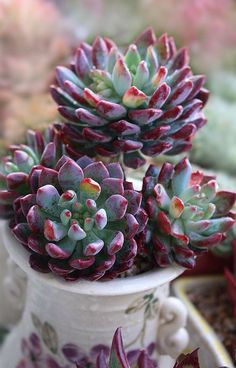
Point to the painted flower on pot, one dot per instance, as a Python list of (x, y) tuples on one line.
[(144, 101), (40, 149), (187, 214), (41, 350), (100, 356), (80, 219), (34, 356), (32, 352)]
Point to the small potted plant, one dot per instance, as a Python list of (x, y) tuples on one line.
[(98, 250)]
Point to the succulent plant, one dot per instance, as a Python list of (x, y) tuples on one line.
[(40, 149), (145, 101), (187, 214), (80, 219), (119, 359)]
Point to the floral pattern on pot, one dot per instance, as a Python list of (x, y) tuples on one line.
[(150, 304), (41, 349)]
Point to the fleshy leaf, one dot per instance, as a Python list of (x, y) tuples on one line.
[(181, 176), (54, 231), (61, 250), (110, 110), (47, 198), (76, 232), (132, 57), (70, 175), (134, 98), (89, 189), (118, 358), (97, 171), (121, 77), (116, 206), (101, 219), (224, 201)]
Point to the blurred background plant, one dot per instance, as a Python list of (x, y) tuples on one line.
[(214, 145), (33, 39), (207, 27)]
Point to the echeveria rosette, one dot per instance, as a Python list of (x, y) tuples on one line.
[(82, 221), (40, 149), (143, 102), (187, 214)]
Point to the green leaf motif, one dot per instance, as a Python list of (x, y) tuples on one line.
[(147, 301), (36, 322), (49, 337), (137, 305)]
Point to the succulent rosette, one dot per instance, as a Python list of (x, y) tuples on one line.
[(187, 214), (141, 102), (80, 219), (40, 149)]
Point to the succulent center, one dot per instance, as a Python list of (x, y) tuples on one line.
[(80, 215), (75, 212)]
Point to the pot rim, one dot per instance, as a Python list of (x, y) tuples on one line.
[(119, 286)]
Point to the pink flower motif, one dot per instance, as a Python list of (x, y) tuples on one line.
[(32, 351), (33, 355)]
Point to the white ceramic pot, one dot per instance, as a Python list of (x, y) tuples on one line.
[(12, 286), (65, 321)]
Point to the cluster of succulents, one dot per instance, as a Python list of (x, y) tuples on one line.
[(79, 217), (141, 102), (187, 214)]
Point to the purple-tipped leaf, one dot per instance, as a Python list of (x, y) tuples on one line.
[(116, 206), (110, 110), (118, 357), (70, 175)]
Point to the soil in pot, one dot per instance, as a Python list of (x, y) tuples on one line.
[(213, 303)]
